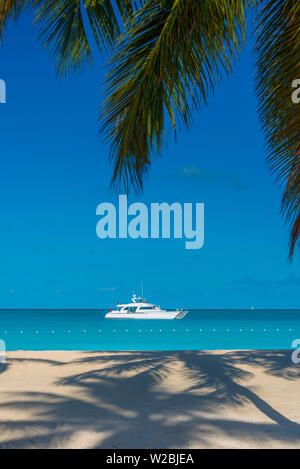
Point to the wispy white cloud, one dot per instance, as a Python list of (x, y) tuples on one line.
[(193, 173)]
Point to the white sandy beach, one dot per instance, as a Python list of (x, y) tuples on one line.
[(233, 399)]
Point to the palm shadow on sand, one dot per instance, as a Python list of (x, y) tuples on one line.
[(123, 400), (3, 367)]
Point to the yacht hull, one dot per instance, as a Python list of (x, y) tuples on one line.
[(146, 315)]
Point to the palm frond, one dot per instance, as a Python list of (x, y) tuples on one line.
[(166, 65), (291, 204), (8, 9), (278, 65), (63, 28)]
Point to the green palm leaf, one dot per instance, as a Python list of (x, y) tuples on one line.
[(278, 65), (165, 66), (291, 204), (63, 28), (8, 9)]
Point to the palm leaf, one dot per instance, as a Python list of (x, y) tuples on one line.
[(63, 28), (278, 65), (291, 204), (166, 65), (8, 9)]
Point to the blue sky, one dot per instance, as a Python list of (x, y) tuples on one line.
[(55, 172)]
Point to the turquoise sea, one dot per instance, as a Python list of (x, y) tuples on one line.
[(200, 329)]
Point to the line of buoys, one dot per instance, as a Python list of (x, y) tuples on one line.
[(84, 331)]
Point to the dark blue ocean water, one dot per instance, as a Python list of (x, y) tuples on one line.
[(200, 329)]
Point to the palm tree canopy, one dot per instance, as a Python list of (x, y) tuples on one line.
[(10, 8), (63, 26), (168, 57), (277, 49), (165, 65)]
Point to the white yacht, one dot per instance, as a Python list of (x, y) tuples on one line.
[(140, 309)]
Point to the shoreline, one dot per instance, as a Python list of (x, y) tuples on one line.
[(150, 399)]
